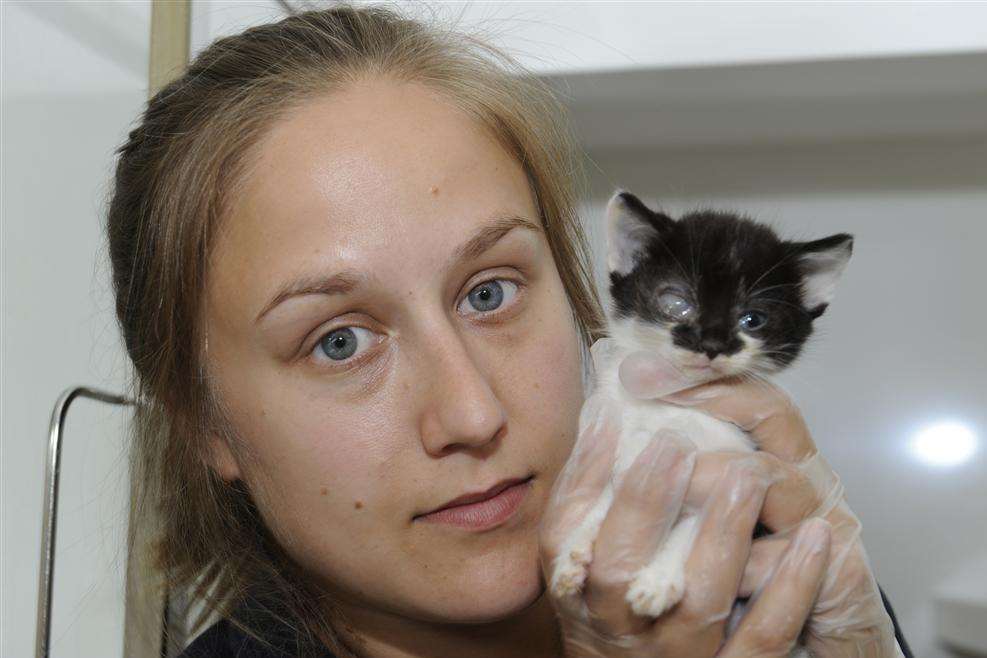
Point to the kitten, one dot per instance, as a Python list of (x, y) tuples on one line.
[(715, 295)]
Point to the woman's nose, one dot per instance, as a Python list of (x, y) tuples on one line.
[(461, 407)]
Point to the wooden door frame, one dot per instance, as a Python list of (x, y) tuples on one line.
[(154, 624)]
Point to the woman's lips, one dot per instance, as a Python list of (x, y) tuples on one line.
[(485, 514)]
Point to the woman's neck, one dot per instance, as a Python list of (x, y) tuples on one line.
[(532, 633)]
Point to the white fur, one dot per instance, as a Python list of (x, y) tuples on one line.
[(823, 270), (660, 584), (627, 236)]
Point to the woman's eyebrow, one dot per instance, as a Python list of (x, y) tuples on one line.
[(336, 284), (489, 234), (346, 281)]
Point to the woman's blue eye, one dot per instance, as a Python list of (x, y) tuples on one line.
[(491, 295), (753, 320), (340, 344)]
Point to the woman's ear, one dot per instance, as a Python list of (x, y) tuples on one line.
[(221, 459)]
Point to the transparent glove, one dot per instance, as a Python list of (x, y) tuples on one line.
[(589, 587), (849, 618)]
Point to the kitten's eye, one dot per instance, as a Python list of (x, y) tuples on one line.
[(753, 320), (490, 295), (340, 344), (675, 306)]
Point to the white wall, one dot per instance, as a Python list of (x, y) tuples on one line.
[(901, 347), (611, 35), (74, 76), (592, 36)]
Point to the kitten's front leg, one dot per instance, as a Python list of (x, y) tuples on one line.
[(660, 585), (572, 564)]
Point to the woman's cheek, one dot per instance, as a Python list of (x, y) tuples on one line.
[(312, 474), (549, 371), (327, 511)]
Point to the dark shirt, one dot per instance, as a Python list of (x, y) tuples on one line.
[(224, 640)]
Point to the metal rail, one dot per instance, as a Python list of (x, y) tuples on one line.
[(45, 579)]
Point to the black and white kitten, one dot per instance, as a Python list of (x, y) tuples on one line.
[(714, 294)]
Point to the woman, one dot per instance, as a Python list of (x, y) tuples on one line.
[(351, 278)]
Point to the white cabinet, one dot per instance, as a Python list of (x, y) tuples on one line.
[(684, 74), (563, 37), (568, 37)]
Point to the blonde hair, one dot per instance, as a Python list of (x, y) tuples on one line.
[(174, 178)]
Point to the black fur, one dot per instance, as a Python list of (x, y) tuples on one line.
[(726, 265)]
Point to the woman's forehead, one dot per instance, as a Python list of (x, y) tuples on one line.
[(364, 178)]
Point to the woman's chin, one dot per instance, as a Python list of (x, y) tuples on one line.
[(480, 611), (488, 596)]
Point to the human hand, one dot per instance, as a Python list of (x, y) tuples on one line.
[(849, 618), (597, 621)]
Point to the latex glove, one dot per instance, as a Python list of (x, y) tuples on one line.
[(849, 618), (595, 617)]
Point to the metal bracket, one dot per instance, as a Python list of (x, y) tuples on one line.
[(45, 579)]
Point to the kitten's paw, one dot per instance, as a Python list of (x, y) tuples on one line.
[(654, 591), (569, 573)]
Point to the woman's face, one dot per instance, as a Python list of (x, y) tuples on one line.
[(365, 381)]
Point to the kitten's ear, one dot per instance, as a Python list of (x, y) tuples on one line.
[(822, 263), (631, 225)]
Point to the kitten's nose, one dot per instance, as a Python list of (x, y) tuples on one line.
[(712, 347)]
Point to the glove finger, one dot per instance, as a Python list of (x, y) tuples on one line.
[(582, 479), (850, 619), (757, 407), (721, 547), (646, 504), (772, 625), (790, 499), (647, 375), (765, 555)]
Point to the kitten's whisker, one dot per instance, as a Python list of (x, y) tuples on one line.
[(756, 378), (771, 269), (777, 348), (761, 291), (782, 302)]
